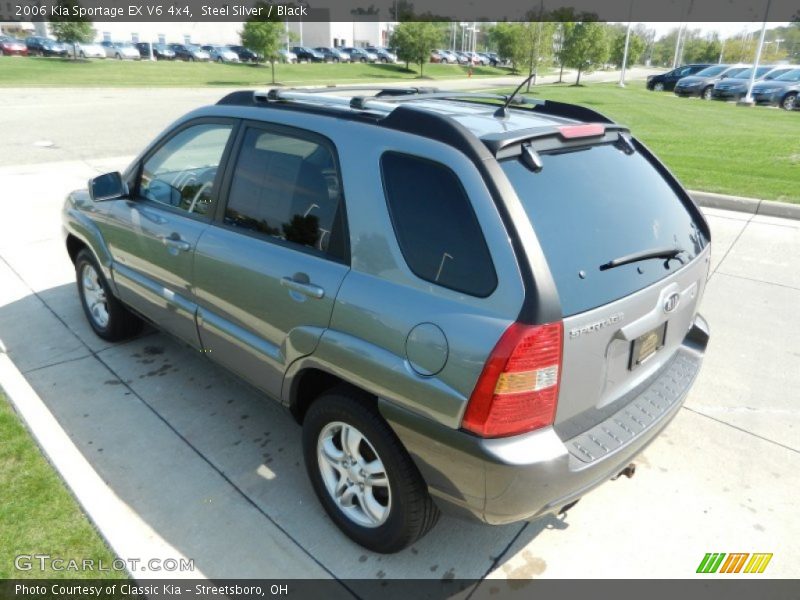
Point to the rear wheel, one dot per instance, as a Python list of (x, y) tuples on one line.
[(789, 101), (107, 316), (362, 475), (706, 93), (658, 87), (363, 60)]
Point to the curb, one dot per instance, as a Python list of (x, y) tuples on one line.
[(129, 537), (752, 206)]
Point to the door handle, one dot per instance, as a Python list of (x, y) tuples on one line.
[(174, 242), (303, 287)]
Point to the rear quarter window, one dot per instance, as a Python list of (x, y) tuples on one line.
[(436, 227)]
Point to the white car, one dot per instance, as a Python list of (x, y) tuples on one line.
[(287, 56), (121, 50), (221, 53), (86, 50)]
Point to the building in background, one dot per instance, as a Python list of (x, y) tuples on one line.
[(312, 34), (333, 35)]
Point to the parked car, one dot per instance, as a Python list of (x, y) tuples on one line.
[(403, 285), (86, 50), (10, 46), (190, 52), (287, 56), (121, 50), (307, 54), (221, 54), (383, 54), (735, 88), (489, 59), (781, 91), (41, 46), (160, 51), (702, 83), (247, 55), (464, 58), (360, 55), (665, 82), (333, 54)]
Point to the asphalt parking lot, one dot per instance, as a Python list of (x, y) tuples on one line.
[(217, 473)]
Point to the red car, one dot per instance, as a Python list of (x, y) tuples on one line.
[(10, 46)]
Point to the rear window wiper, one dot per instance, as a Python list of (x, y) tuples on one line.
[(666, 253)]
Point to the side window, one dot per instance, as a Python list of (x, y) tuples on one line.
[(181, 173), (287, 187), (436, 227)]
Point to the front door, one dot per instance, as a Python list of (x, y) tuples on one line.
[(153, 234), (268, 271)]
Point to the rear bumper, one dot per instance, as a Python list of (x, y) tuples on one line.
[(505, 480)]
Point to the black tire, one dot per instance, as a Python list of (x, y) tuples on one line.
[(789, 101), (706, 93), (384, 60), (118, 56), (658, 87), (412, 512), (363, 60), (121, 324)]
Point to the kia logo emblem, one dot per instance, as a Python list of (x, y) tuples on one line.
[(671, 303)]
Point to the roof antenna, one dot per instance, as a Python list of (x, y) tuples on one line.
[(502, 113)]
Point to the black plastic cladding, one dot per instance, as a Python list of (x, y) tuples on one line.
[(541, 304)]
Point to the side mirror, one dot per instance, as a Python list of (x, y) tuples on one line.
[(107, 187)]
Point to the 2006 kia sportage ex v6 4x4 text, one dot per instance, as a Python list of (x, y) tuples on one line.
[(467, 306)]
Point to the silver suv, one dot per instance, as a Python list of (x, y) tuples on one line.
[(467, 307)]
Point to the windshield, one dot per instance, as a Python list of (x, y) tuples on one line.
[(595, 204), (790, 76), (711, 71)]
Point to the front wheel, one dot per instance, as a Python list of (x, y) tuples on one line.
[(363, 60), (107, 316), (362, 475), (658, 87), (789, 102), (706, 93)]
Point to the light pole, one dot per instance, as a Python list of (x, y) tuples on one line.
[(627, 45), (748, 98)]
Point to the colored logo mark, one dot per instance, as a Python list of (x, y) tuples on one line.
[(719, 562)]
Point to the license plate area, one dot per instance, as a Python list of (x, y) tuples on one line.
[(646, 345)]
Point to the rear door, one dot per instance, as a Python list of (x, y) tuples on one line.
[(623, 321), (267, 273), (153, 234)]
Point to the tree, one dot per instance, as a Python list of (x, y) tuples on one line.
[(415, 41), (69, 29), (585, 47), (507, 38), (636, 47), (265, 38)]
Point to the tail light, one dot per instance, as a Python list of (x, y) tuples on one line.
[(518, 388)]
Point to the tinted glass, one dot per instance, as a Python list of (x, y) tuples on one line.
[(790, 76), (436, 227), (288, 188), (592, 205), (711, 71), (181, 173)]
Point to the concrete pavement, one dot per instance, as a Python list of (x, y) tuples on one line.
[(216, 471)]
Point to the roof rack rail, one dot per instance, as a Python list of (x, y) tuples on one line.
[(381, 89), (454, 95)]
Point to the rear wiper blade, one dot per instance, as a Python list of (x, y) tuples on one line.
[(666, 253)]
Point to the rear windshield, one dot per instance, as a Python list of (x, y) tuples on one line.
[(711, 71), (595, 204)]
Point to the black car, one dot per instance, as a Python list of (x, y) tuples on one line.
[(247, 55), (308, 54), (41, 46), (665, 82), (160, 51)]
